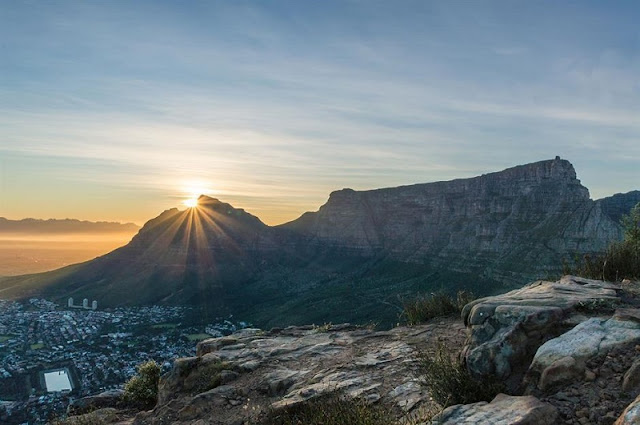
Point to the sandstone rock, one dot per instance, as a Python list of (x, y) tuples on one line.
[(506, 330), (111, 398), (631, 380), (278, 381), (631, 415), (589, 339), (280, 369), (561, 371), (194, 374), (503, 410), (106, 415)]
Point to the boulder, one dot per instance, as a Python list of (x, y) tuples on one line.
[(505, 331), (562, 359), (561, 371), (631, 415), (104, 416), (111, 398), (503, 410), (195, 374)]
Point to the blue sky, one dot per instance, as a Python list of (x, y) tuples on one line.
[(118, 110)]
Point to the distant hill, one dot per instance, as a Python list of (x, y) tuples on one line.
[(66, 226), (357, 257)]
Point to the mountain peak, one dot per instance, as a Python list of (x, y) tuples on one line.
[(205, 198), (557, 168)]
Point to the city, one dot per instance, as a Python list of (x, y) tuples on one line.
[(51, 355)]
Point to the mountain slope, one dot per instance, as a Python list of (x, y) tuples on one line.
[(357, 256)]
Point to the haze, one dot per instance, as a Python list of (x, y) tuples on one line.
[(118, 110)]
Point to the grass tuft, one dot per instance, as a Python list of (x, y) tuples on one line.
[(439, 304), (331, 409), (209, 377), (449, 382)]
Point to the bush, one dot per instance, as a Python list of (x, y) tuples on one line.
[(142, 389), (331, 409), (620, 261), (436, 305), (449, 382)]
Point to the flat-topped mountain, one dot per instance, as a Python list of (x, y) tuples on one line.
[(499, 225), (355, 257)]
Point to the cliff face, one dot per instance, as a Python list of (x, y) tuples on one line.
[(492, 224)]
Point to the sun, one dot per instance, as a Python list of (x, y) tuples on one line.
[(191, 203)]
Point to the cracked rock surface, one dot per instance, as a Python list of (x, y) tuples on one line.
[(288, 366)]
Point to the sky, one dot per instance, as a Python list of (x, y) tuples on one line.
[(119, 110)]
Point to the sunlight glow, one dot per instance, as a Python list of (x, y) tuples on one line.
[(191, 203)]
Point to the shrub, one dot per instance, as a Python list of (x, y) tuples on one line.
[(449, 382), (142, 389), (331, 409), (436, 305), (620, 261)]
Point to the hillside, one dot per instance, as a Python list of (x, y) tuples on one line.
[(355, 258)]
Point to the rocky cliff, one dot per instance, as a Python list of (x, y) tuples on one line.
[(355, 258), (503, 225)]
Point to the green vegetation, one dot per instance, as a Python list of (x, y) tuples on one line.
[(5, 338), (322, 328), (209, 376), (449, 382), (37, 346), (439, 304), (331, 409), (198, 337), (142, 389), (600, 305), (620, 261)]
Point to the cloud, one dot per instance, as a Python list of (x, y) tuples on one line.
[(274, 106)]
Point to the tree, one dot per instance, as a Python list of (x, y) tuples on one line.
[(142, 389)]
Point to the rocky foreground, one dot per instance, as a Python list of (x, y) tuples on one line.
[(568, 352)]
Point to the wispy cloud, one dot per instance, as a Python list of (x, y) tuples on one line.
[(272, 106)]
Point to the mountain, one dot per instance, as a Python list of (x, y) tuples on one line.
[(501, 225), (66, 226), (357, 256)]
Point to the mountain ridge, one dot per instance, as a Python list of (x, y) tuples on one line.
[(67, 225), (358, 255)]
